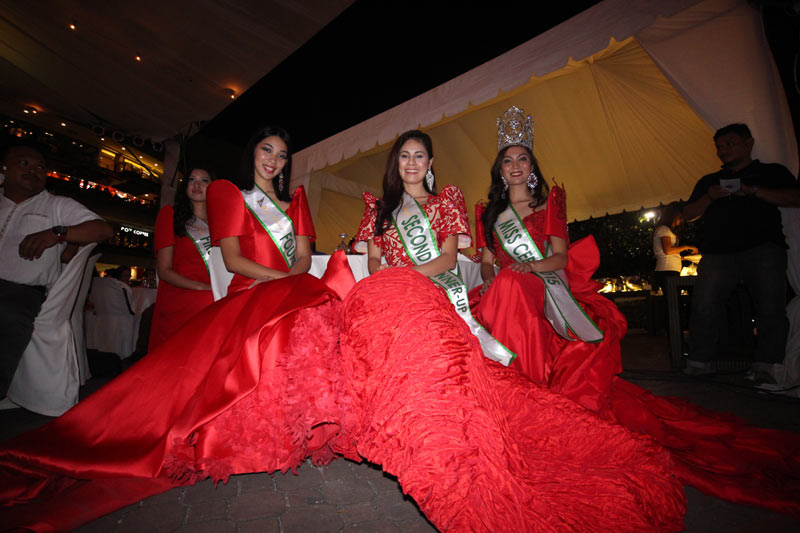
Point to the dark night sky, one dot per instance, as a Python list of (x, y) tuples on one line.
[(380, 53), (377, 54)]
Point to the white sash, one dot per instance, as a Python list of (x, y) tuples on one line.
[(560, 308), (272, 218), (197, 231), (419, 241)]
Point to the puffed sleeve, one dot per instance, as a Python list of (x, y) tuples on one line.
[(301, 215), (227, 214), (366, 230), (556, 219), (455, 217), (480, 235), (165, 233)]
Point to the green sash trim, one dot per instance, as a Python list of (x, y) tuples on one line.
[(419, 242), (197, 231), (275, 222), (561, 308)]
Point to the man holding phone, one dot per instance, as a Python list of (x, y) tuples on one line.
[(741, 239)]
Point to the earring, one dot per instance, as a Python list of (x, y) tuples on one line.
[(280, 181), (533, 180), (429, 179), (505, 186)]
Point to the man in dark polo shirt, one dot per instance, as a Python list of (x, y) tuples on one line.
[(741, 240)]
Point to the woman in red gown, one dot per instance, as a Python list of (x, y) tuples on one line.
[(716, 453), (184, 284), (219, 397), (476, 444)]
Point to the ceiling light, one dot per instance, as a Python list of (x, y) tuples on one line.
[(73, 27), (25, 111), (138, 58), (102, 138), (33, 111), (231, 93), (123, 147), (64, 124)]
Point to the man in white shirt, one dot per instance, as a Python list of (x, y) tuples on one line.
[(35, 227)]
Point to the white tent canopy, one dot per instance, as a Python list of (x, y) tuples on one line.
[(625, 97)]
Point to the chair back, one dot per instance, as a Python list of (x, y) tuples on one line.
[(48, 378)]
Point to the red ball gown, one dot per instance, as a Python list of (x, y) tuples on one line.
[(222, 396), (717, 453), (175, 306), (257, 382), (478, 445)]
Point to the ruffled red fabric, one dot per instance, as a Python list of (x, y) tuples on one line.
[(477, 445), (175, 306), (717, 453), (214, 400)]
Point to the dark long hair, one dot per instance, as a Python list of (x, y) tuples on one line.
[(182, 206), (498, 199), (393, 184), (246, 179), (669, 213)]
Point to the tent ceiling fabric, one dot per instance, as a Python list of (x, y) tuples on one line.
[(191, 53), (611, 129), (578, 38), (619, 129)]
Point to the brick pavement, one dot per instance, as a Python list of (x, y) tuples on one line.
[(343, 496)]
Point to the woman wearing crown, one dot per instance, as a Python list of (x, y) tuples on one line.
[(543, 282), (475, 443), (543, 305)]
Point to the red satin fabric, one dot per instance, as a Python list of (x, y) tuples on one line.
[(477, 445), (177, 415), (175, 306), (717, 453), (228, 216)]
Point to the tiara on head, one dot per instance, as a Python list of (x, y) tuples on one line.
[(514, 128)]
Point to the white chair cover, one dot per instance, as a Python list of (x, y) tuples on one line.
[(47, 378), (78, 322), (112, 328)]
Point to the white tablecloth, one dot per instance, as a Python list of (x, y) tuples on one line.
[(113, 329), (143, 297), (470, 271)]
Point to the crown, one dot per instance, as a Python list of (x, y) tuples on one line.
[(514, 128)]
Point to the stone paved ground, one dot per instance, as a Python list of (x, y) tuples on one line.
[(343, 496), (351, 497)]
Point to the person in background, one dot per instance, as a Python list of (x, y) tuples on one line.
[(182, 245), (35, 228), (668, 254), (223, 395), (742, 241)]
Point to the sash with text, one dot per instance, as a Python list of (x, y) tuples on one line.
[(560, 308), (273, 219), (419, 241)]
